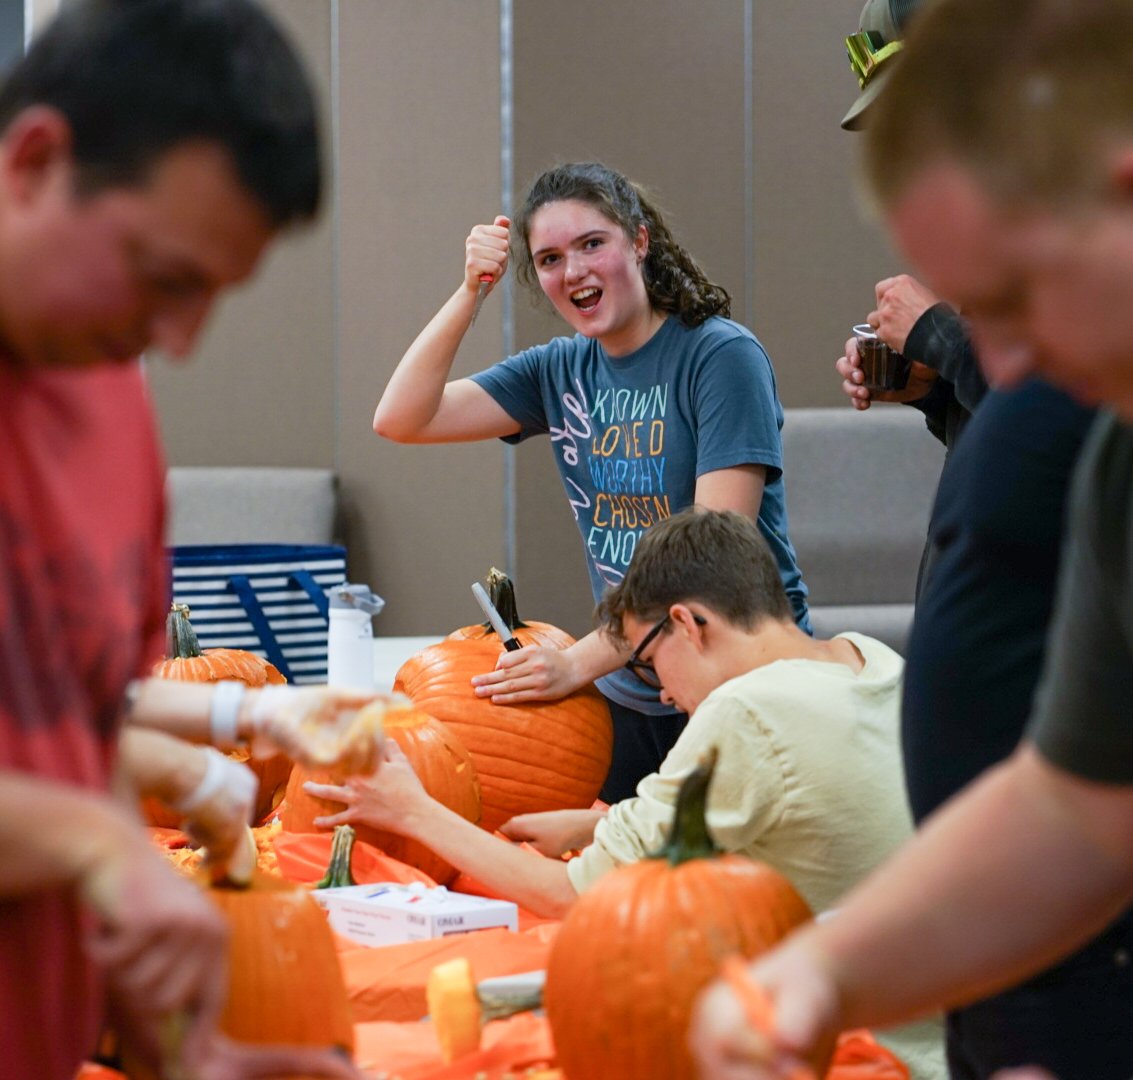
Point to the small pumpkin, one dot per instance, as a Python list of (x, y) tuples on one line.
[(633, 952), (186, 661), (443, 765), (542, 755)]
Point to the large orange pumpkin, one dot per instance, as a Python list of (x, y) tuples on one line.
[(634, 951), (186, 661), (443, 766), (285, 984), (546, 755), (284, 980)]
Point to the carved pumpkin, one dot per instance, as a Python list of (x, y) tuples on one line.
[(285, 984), (635, 950), (443, 766), (185, 660), (544, 755), (284, 980)]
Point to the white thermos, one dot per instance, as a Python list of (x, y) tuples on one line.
[(350, 636)]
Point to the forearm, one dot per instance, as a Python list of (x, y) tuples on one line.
[(940, 339), (1001, 882), (539, 884), (156, 764), (73, 830), (595, 655), (183, 709), (413, 395)]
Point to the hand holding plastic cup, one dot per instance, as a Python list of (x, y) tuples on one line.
[(882, 367)]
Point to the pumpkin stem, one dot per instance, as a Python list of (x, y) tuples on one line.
[(338, 868), (502, 594), (180, 637), (689, 837)]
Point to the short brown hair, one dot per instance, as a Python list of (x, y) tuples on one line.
[(1026, 94), (716, 557)]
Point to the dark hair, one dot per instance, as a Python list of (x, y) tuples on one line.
[(716, 557), (673, 281), (1026, 94), (137, 78)]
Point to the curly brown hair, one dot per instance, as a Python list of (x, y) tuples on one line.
[(673, 281)]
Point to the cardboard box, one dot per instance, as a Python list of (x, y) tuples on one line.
[(390, 914)]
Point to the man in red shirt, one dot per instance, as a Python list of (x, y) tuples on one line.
[(149, 152)]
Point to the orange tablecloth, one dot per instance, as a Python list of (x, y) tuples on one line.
[(386, 986)]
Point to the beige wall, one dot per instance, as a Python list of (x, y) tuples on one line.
[(293, 366)]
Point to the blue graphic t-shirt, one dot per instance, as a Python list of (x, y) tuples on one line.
[(633, 433)]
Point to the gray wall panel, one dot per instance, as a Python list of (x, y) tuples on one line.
[(292, 367), (261, 388), (419, 143)]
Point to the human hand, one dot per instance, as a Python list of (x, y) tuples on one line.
[(219, 808), (849, 366), (803, 1018), (533, 673), (486, 252), (554, 832), (901, 301), (161, 942), (318, 725), (384, 800)]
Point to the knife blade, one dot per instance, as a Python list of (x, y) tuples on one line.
[(511, 642), (481, 292)]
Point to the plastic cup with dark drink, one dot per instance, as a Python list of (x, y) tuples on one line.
[(882, 367)]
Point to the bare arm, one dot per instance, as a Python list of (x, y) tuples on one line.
[(394, 799), (312, 724), (159, 938), (739, 489), (554, 832), (1010, 875), (536, 673), (420, 404)]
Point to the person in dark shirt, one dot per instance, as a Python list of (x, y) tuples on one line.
[(977, 646)]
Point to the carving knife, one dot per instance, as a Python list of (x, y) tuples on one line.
[(481, 292)]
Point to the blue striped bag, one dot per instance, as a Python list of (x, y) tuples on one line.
[(267, 598)]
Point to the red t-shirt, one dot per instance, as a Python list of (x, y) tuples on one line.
[(82, 598)]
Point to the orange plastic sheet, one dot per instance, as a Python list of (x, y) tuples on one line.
[(388, 983), (859, 1056), (511, 1047), (303, 857)]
